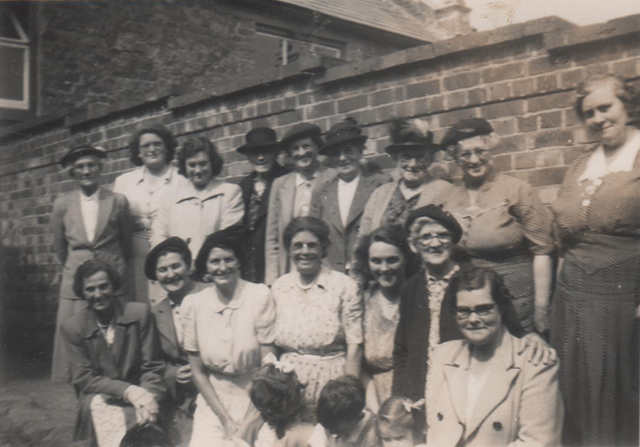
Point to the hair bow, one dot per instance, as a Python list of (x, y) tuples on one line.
[(271, 359), (413, 406)]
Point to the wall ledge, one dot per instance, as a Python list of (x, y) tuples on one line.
[(563, 39)]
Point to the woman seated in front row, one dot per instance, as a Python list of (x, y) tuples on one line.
[(480, 391), (115, 359)]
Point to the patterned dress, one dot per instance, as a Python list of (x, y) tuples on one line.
[(594, 328)]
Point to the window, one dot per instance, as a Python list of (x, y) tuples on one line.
[(276, 47), (15, 57)]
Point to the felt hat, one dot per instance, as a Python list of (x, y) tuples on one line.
[(259, 138), (467, 128), (347, 131), (298, 131), (438, 214), (413, 133), (233, 237), (173, 244), (80, 151)]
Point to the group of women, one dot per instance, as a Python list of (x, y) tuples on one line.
[(325, 323)]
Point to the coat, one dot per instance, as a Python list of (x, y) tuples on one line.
[(134, 359), (520, 403), (379, 202), (281, 202), (253, 268), (113, 237), (325, 206)]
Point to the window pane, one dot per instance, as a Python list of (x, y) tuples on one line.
[(7, 27), (12, 72)]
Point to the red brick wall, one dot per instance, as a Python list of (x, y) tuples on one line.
[(522, 78)]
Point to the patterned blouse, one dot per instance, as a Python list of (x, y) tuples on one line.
[(381, 318), (399, 208), (319, 319), (437, 289)]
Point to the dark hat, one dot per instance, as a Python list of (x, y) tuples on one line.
[(173, 244), (438, 214), (298, 131), (81, 151), (259, 138), (412, 133), (347, 131), (464, 129), (233, 238)]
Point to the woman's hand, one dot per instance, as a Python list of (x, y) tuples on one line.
[(183, 375), (144, 403), (538, 350), (229, 428)]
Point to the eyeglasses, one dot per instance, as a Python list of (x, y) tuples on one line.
[(426, 239), (482, 311), (480, 153), (311, 246)]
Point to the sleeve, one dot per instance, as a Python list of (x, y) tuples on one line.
[(351, 312), (125, 222), (233, 211), (535, 219), (272, 242), (60, 244), (160, 224), (83, 374), (152, 368), (119, 186), (541, 412), (367, 214), (265, 322), (400, 351), (189, 324)]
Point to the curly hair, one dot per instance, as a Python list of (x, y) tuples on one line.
[(471, 278), (313, 225), (163, 133), (278, 396), (392, 235), (90, 268), (194, 146), (340, 400), (400, 415), (623, 90)]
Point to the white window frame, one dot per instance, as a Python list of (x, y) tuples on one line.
[(286, 40), (23, 43)]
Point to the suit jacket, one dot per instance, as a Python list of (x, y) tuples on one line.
[(325, 206), (113, 237), (253, 268), (281, 202), (134, 359), (379, 202), (519, 404)]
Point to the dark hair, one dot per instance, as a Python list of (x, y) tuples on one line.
[(311, 224), (196, 145), (145, 436), (316, 139), (90, 268), (623, 90), (230, 238), (340, 400), (402, 414), (472, 278), (163, 133), (392, 235), (278, 396)]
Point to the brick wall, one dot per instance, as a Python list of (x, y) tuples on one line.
[(522, 78)]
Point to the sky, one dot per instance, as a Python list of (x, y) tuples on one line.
[(489, 14)]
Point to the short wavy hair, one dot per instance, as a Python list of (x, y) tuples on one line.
[(163, 133), (278, 396), (623, 90), (392, 235), (471, 278), (311, 224), (90, 268), (340, 399), (196, 145)]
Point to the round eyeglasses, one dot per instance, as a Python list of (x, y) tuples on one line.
[(482, 311)]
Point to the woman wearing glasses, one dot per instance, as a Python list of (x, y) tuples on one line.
[(479, 390), (319, 311), (506, 226)]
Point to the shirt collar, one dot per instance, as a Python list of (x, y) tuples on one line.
[(92, 198), (353, 182), (623, 161), (446, 277), (300, 180), (236, 301), (144, 173)]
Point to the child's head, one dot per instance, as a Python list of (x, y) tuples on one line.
[(278, 396), (399, 422), (340, 405)]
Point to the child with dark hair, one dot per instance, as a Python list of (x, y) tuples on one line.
[(401, 422), (279, 396), (343, 421)]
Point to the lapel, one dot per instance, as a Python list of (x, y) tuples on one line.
[(333, 207), (164, 323), (101, 355), (105, 205), (455, 372), (123, 321), (76, 217), (366, 186), (287, 197)]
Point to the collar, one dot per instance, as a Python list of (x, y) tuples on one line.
[(143, 174), (214, 188), (353, 182), (447, 277), (219, 307), (89, 325), (300, 180), (623, 161), (506, 352), (92, 198)]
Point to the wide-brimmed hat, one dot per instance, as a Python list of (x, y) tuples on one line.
[(408, 134), (439, 215), (259, 138), (347, 131), (81, 151), (173, 244), (467, 128), (298, 131)]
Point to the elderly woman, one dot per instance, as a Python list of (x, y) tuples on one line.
[(380, 264), (228, 329), (595, 318), (146, 187), (115, 358), (90, 222), (204, 204), (413, 151), (506, 226), (319, 323), (480, 392)]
